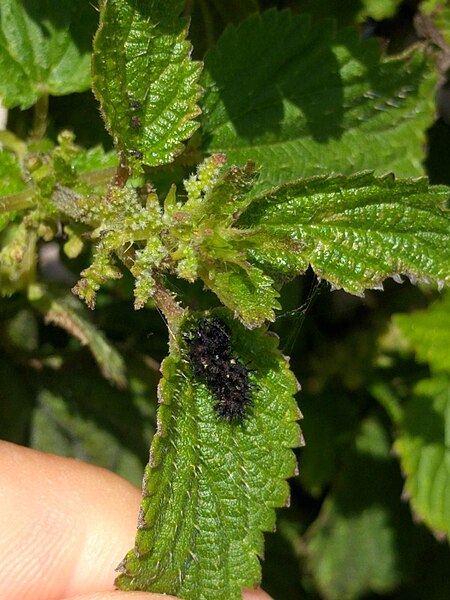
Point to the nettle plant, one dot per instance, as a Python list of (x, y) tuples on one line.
[(273, 155)]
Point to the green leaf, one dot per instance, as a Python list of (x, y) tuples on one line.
[(144, 78), (363, 532), (79, 415), (203, 242), (245, 290), (94, 159), (302, 101), (379, 9), (102, 268), (11, 181), (234, 10), (120, 219), (17, 397), (331, 423), (209, 18), (429, 333), (44, 49), (211, 487), (353, 231), (21, 331), (350, 11), (18, 259), (68, 314), (423, 445)]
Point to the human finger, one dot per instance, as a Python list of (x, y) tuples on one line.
[(124, 596), (65, 525)]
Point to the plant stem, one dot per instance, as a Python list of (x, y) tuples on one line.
[(18, 201), (24, 199), (209, 23), (99, 176), (40, 118), (122, 173), (164, 300), (171, 310)]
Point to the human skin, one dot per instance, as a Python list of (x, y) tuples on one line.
[(64, 527)]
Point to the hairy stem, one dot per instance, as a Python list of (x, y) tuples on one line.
[(122, 173), (18, 201), (40, 118), (164, 300), (170, 308), (25, 199)]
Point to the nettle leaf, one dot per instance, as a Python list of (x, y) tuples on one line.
[(203, 242), (11, 181), (44, 49), (235, 10), (67, 313), (94, 159), (353, 231), (211, 486), (379, 9), (78, 414), (144, 78), (315, 102), (102, 268), (18, 259), (121, 218), (17, 402), (363, 532), (331, 423), (429, 333), (352, 11), (423, 445), (244, 289)]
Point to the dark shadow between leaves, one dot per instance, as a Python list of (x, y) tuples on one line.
[(81, 18), (16, 403), (344, 12), (424, 422), (369, 480), (90, 398)]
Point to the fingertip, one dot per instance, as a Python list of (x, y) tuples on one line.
[(255, 594), (247, 594), (65, 525), (122, 596)]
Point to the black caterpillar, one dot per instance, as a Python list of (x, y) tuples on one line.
[(211, 359)]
